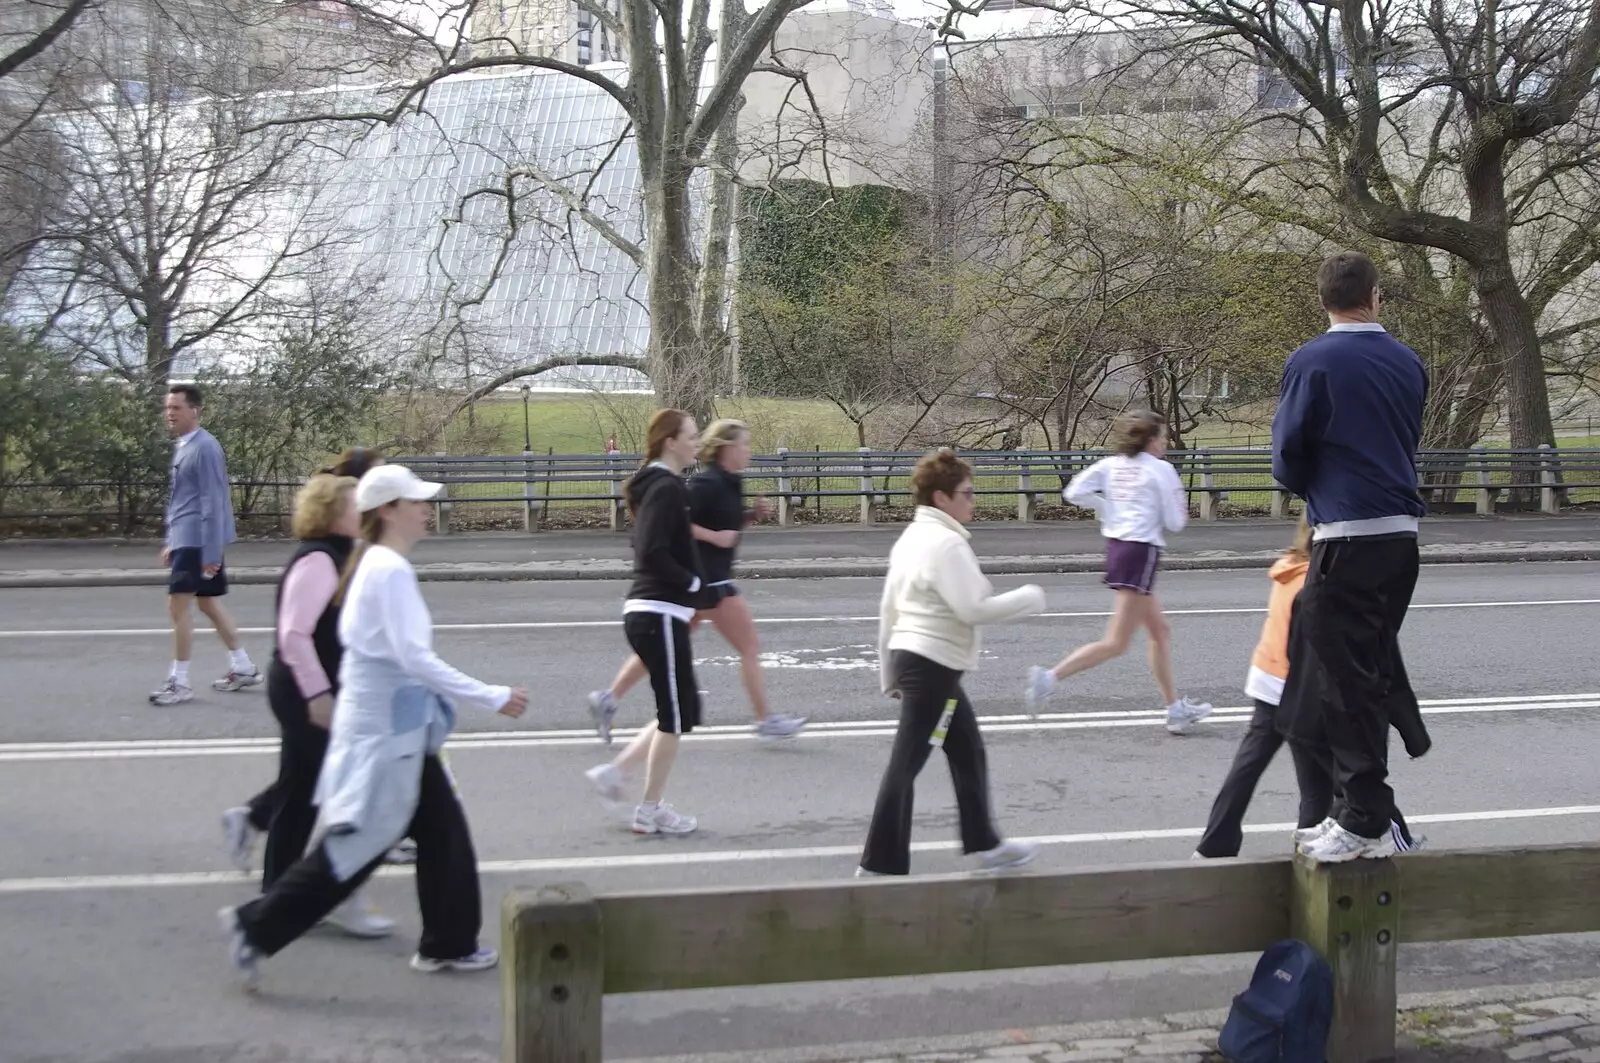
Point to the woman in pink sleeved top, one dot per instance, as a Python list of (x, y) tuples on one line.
[(301, 683)]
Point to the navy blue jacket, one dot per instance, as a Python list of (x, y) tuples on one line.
[(1348, 425)]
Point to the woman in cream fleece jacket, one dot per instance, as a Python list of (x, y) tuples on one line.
[(934, 600)]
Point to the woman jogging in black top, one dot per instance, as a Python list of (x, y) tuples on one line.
[(656, 616), (717, 508)]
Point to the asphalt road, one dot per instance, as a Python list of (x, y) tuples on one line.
[(818, 542), (112, 868)]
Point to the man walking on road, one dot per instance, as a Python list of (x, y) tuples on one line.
[(199, 526), (1345, 439)]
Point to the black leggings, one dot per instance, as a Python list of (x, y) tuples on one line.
[(925, 689), (285, 809), (447, 882)]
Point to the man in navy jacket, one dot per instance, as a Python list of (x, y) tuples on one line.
[(1345, 439)]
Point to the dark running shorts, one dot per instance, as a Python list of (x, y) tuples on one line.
[(1131, 566), (187, 576)]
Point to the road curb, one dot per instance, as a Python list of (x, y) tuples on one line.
[(1511, 553)]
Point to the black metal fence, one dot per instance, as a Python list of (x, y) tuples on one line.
[(531, 489)]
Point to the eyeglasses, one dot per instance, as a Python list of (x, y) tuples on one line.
[(967, 492)]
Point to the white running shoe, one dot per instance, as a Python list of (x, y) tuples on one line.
[(607, 781), (173, 693), (777, 728), (1007, 855), (246, 960), (662, 819), (602, 710), (1041, 684), (482, 960), (1185, 713), (238, 680), (1307, 835), (1339, 846), (239, 836), (360, 918), (862, 872)]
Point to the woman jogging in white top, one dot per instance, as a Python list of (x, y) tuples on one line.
[(383, 779), (934, 600), (1138, 496)]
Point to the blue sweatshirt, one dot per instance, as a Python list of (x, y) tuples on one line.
[(1346, 432)]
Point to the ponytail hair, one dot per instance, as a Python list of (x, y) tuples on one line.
[(372, 528), (664, 427)]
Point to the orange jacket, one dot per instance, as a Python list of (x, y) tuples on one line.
[(1272, 651)]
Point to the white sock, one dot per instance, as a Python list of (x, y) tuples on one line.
[(649, 806), (241, 662), (180, 673)]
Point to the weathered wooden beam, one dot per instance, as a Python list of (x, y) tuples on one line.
[(1493, 893), (552, 980), (925, 925), (1350, 913)]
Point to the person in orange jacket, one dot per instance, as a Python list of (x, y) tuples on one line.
[(1269, 668)]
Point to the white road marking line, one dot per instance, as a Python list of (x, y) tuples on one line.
[(556, 625), (143, 749), (79, 883)]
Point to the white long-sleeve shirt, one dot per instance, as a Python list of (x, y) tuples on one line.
[(385, 617), (935, 596), (1138, 498)]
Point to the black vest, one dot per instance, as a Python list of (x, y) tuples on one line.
[(326, 635)]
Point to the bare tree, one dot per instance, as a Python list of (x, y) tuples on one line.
[(1453, 127)]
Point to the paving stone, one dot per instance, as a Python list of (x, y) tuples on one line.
[(1171, 1048), (1087, 1055), (1485, 1040), (1522, 1017), (1022, 1050), (941, 1057), (1185, 1035), (1559, 1005), (1536, 1049), (1582, 1055), (1588, 1033), (1105, 1042), (1559, 1024), (1481, 1026), (1495, 1009)]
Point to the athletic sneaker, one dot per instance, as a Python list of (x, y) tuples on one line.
[(405, 852), (777, 728), (662, 819), (607, 781), (246, 960), (1041, 684), (602, 710), (239, 836), (238, 680), (482, 960), (360, 918), (862, 872), (1339, 846), (1307, 835), (173, 693), (1007, 855), (1185, 713)]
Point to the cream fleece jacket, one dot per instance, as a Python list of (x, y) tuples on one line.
[(936, 597)]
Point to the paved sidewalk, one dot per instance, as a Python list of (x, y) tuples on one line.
[(771, 553), (1558, 1023)]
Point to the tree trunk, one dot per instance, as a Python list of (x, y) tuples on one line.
[(1517, 334), (678, 366)]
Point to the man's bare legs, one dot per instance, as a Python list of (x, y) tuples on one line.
[(219, 616), (182, 628)]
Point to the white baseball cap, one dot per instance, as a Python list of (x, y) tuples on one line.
[(390, 483)]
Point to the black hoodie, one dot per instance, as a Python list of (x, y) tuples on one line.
[(666, 565), (716, 502)]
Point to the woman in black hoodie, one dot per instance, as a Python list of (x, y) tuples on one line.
[(717, 508), (656, 616)]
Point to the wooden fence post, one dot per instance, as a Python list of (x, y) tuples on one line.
[(1208, 483), (785, 504), (1480, 455), (1350, 913), (1549, 493), (1027, 501), (615, 506), (441, 508), (866, 486), (553, 975)]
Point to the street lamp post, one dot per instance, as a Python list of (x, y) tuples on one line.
[(527, 435)]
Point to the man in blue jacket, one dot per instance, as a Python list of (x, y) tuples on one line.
[(1345, 439), (199, 525)]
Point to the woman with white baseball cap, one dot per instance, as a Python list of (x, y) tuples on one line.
[(383, 779)]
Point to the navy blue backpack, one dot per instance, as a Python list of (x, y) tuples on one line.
[(1285, 1015)]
